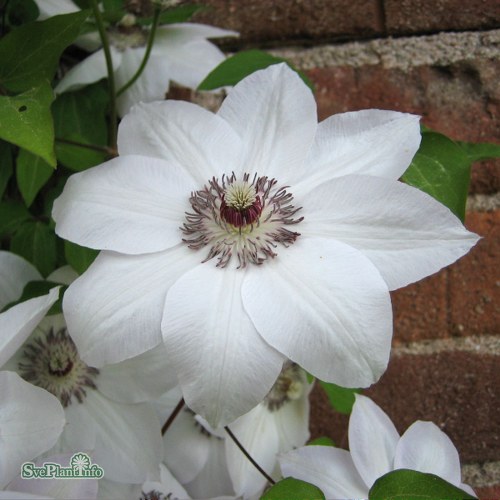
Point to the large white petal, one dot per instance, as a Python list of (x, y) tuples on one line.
[(330, 469), (138, 379), (372, 440), (15, 273), (424, 447), (258, 434), (90, 70), (31, 420), (153, 83), (325, 306), (183, 133), (114, 310), (17, 323), (368, 142), (274, 113), (186, 447), (128, 445), (131, 204), (406, 233), (224, 367), (184, 49)]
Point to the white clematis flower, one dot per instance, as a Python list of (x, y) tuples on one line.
[(181, 53), (250, 236), (104, 409), (375, 449), (31, 419)]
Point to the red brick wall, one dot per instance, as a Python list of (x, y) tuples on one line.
[(390, 54)]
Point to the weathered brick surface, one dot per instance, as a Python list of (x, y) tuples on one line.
[(474, 281), (488, 492), (420, 16), (458, 391), (461, 101), (274, 21), (270, 21), (420, 310)]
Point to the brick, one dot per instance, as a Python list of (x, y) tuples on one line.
[(420, 310), (460, 100), (474, 281), (263, 22), (324, 421), (488, 492), (458, 391), (419, 16)]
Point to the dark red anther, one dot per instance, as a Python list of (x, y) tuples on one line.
[(243, 217)]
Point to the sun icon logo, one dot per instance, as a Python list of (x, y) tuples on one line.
[(79, 462)]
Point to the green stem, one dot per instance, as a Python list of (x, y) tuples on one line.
[(111, 75), (152, 33)]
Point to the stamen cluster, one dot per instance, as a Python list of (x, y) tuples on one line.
[(243, 218), (51, 361), (288, 387)]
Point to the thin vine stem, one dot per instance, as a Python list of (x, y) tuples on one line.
[(174, 414), (94, 147), (245, 452), (111, 75), (149, 46)]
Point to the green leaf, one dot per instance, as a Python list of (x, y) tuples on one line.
[(12, 215), (25, 120), (6, 165), (79, 258), (30, 54), (36, 242), (111, 5), (180, 14), (442, 169), (242, 64), (32, 173), (21, 12), (81, 117), (480, 151), (321, 441), (293, 489), (36, 289), (406, 484), (340, 398)]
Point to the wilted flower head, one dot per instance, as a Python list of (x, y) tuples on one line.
[(250, 236)]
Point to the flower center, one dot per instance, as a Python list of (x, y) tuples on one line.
[(51, 361), (288, 387), (246, 218)]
